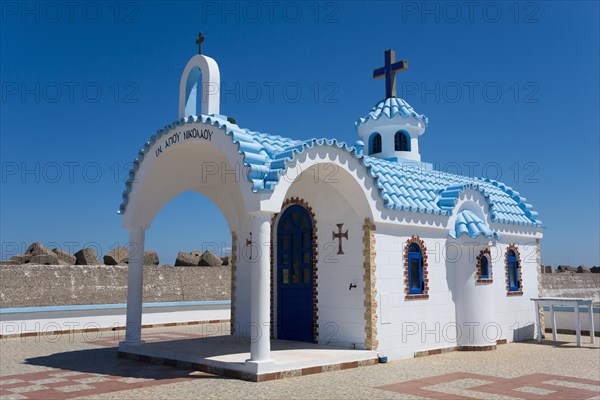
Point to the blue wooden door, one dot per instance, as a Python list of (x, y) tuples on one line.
[(294, 275)]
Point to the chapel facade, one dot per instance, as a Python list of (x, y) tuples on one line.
[(362, 246)]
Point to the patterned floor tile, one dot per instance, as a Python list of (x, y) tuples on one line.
[(529, 387), (13, 396), (460, 387), (48, 380), (65, 374), (58, 384), (28, 388), (75, 388), (74, 360), (575, 385), (534, 390), (131, 380), (93, 379), (9, 381)]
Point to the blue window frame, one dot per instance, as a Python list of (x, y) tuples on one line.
[(415, 270), (401, 141), (513, 271), (484, 268), (375, 145)]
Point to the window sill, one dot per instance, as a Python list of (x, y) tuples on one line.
[(422, 296), (485, 281), (515, 293)]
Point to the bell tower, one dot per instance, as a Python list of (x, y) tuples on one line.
[(204, 70), (392, 128)]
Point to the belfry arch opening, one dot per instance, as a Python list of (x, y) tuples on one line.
[(193, 92)]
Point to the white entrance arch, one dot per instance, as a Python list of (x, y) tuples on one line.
[(206, 157), (338, 168), (200, 155)]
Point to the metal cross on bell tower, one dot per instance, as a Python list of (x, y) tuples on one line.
[(389, 70), (199, 42)]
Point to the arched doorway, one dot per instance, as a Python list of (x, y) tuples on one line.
[(295, 275)]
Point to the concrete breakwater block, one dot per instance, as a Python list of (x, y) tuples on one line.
[(87, 256), (64, 258), (117, 256), (186, 259), (209, 259)]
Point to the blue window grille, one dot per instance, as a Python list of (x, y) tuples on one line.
[(484, 268), (513, 271), (401, 141), (375, 145), (415, 270)]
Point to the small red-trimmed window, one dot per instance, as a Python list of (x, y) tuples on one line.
[(484, 268), (415, 270), (513, 271)]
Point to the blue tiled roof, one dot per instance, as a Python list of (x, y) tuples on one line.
[(435, 192), (467, 223), (390, 108), (400, 187)]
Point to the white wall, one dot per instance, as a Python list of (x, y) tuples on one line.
[(485, 312), (242, 285), (565, 319), (407, 326), (515, 314), (475, 302)]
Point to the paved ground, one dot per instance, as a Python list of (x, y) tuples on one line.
[(85, 365)]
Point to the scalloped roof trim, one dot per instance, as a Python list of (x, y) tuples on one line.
[(389, 108), (401, 188)]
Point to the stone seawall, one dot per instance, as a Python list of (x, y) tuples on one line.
[(55, 285), (568, 284)]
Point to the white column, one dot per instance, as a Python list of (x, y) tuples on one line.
[(135, 287), (578, 324), (260, 287), (538, 321), (591, 319), (553, 316)]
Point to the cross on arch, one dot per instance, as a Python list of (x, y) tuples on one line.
[(389, 70), (199, 41)]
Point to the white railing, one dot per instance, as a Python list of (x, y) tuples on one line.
[(553, 303)]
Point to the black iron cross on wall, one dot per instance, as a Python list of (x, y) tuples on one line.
[(339, 237)]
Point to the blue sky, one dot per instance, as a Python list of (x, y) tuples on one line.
[(511, 91)]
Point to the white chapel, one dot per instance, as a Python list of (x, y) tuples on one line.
[(359, 246)]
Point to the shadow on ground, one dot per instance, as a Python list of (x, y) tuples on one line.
[(105, 361)]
